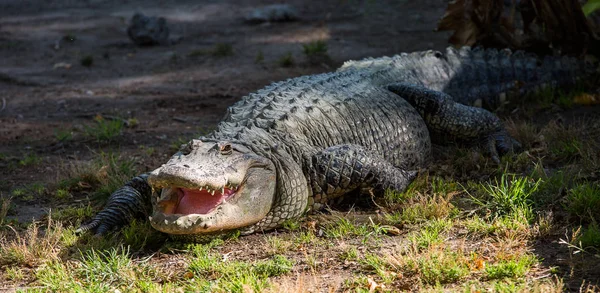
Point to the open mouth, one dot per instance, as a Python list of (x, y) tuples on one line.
[(186, 201)]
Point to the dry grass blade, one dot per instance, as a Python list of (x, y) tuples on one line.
[(4, 207), (34, 247)]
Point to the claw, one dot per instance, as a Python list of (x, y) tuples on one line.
[(500, 144)]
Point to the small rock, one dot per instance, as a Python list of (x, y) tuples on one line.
[(148, 31), (62, 65), (272, 13)]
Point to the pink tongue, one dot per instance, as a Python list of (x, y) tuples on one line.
[(196, 202)]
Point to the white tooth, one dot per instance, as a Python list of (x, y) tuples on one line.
[(200, 189), (212, 192), (223, 190)]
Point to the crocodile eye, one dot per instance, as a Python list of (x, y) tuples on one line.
[(226, 149)]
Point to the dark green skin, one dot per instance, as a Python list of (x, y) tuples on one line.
[(369, 124)]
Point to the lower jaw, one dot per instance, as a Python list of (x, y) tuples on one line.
[(176, 224)]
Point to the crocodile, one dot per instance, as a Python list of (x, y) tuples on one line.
[(298, 145)]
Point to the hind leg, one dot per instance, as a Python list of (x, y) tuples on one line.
[(449, 121)]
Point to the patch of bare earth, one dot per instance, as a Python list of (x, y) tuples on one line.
[(52, 159)]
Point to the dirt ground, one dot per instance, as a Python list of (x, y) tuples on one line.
[(171, 92)]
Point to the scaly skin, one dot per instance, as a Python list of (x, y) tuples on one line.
[(299, 144)]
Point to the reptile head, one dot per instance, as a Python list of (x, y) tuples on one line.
[(211, 188)]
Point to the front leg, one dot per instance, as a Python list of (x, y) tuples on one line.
[(340, 169), (126, 203), (449, 121)]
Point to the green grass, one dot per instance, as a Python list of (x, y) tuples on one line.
[(286, 60), (590, 238), (350, 254), (98, 271), (29, 192), (315, 48), (549, 95), (430, 234), (104, 130), (341, 228), (466, 225), (5, 205), (101, 176), (29, 159), (218, 50), (552, 185), (260, 57), (63, 135), (140, 235), (380, 266), (316, 51), (215, 275), (222, 50), (508, 195), (583, 202), (73, 214), (276, 245), (439, 267), (514, 268)]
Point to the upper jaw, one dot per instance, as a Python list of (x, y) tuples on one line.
[(175, 175)]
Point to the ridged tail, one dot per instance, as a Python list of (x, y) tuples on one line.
[(128, 202), (480, 77), (489, 77)]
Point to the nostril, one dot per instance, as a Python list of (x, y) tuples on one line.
[(186, 166)]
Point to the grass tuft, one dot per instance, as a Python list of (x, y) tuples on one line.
[(102, 176), (219, 50), (590, 238), (104, 130), (29, 159), (5, 206), (514, 268), (33, 248), (583, 202), (287, 60), (509, 195), (316, 52), (217, 275)]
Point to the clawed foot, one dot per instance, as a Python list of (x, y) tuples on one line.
[(500, 143)]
